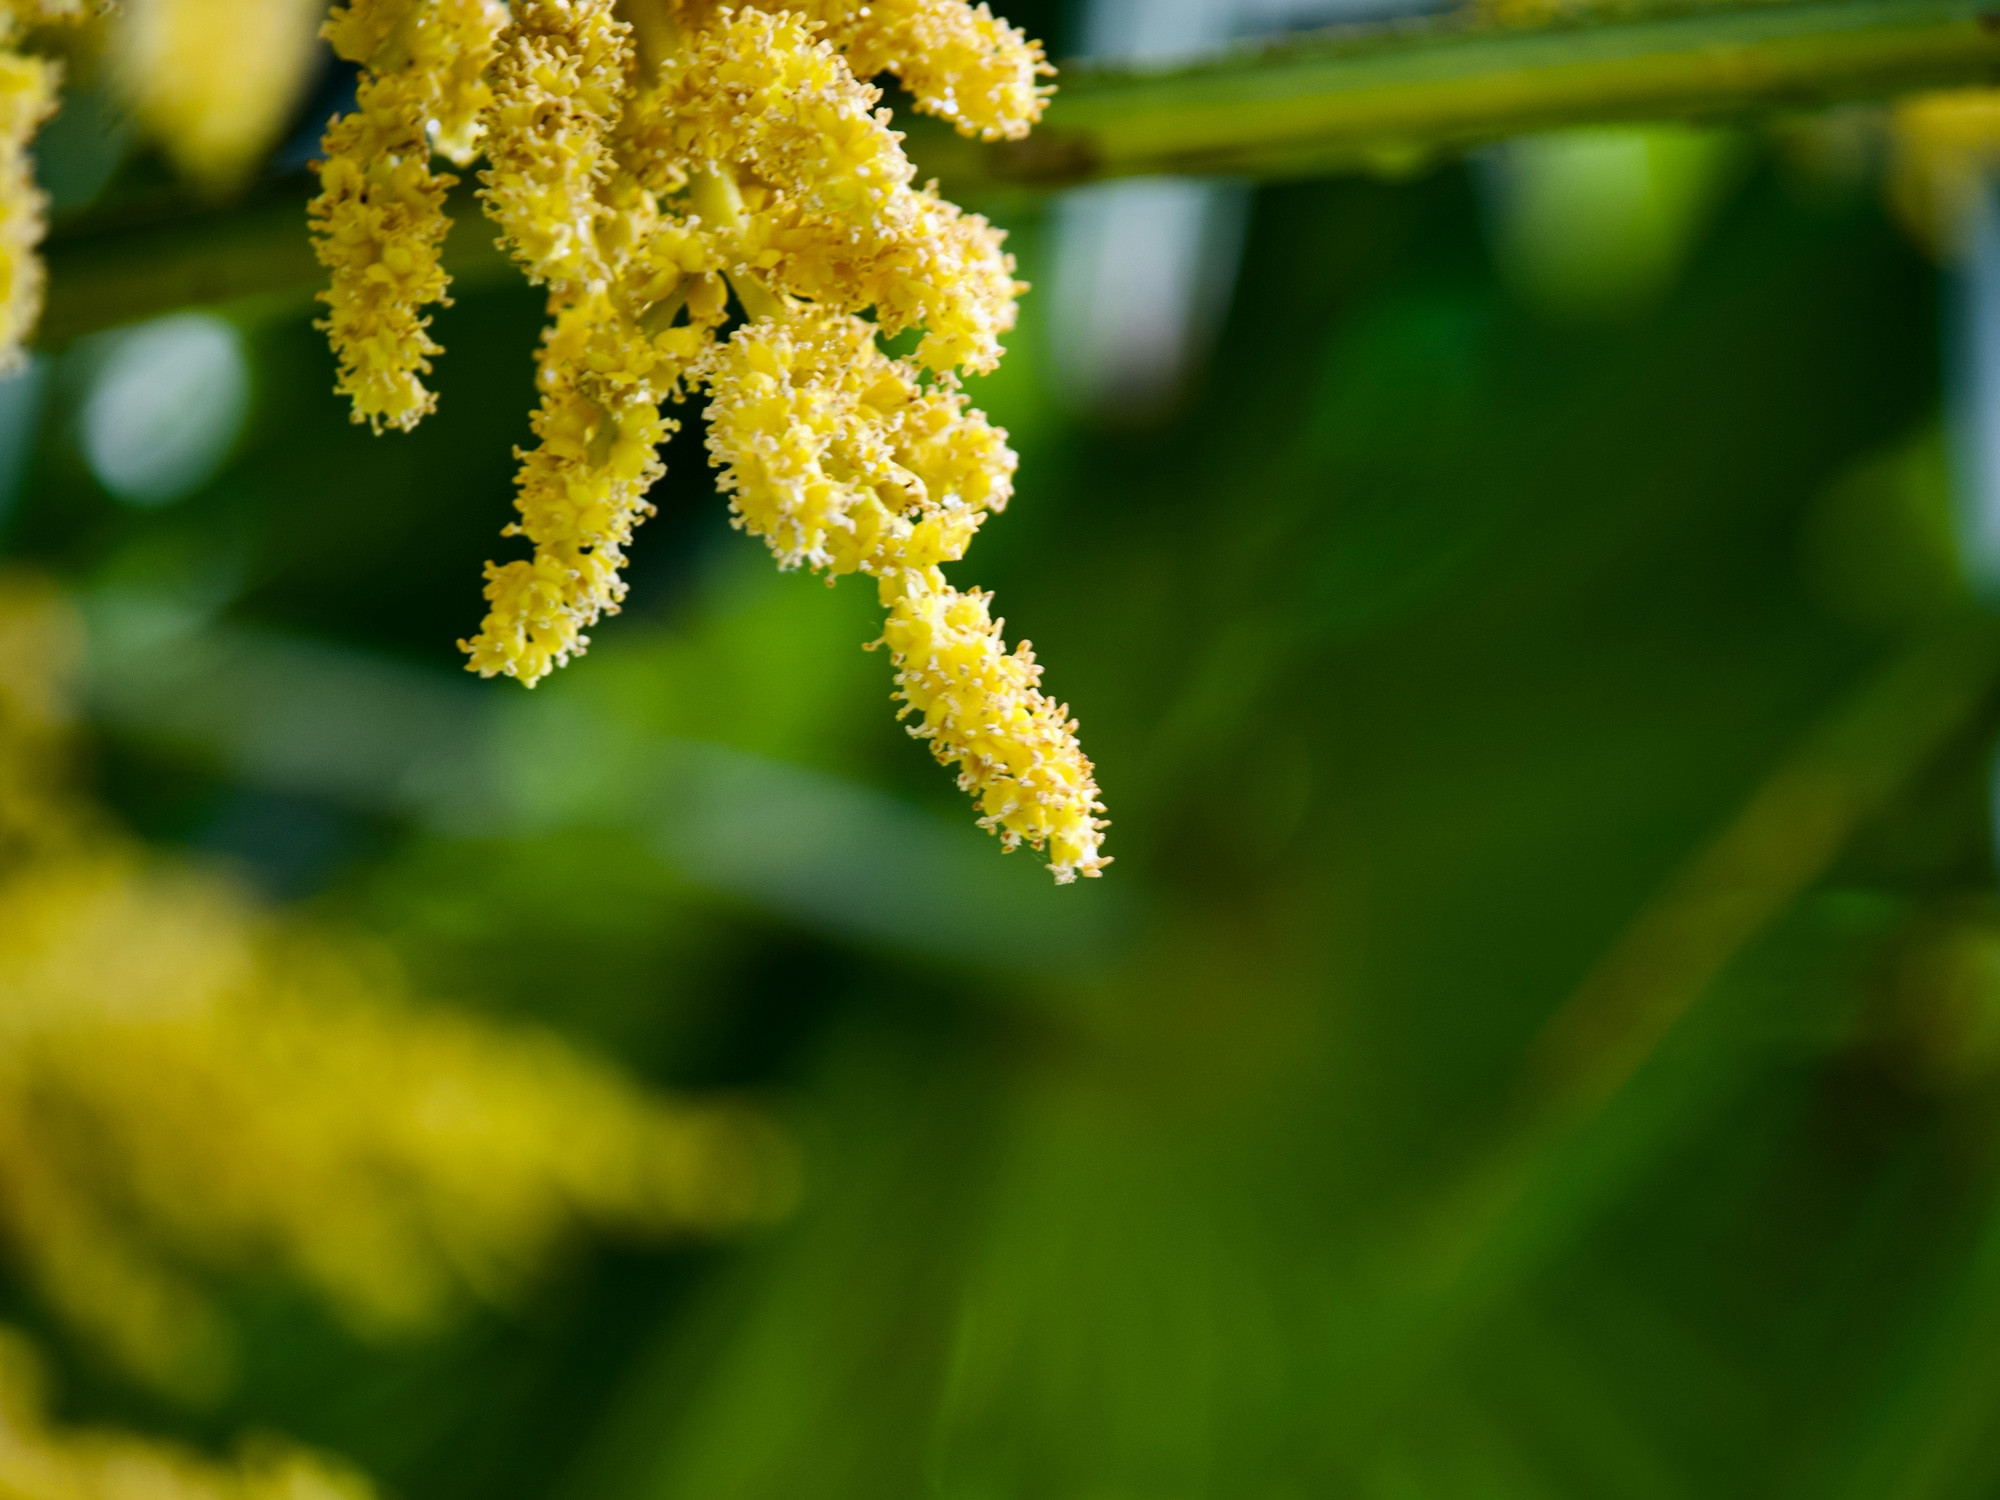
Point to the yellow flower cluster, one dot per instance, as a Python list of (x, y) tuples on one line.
[(565, 183), (959, 62), (27, 98), (185, 1083), (836, 219), (41, 1462), (379, 222), (557, 93), (748, 155)]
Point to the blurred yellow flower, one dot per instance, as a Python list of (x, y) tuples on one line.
[(187, 1084), (214, 81), (1946, 149), (41, 1462)]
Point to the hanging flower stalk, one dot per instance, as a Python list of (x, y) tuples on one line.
[(27, 98), (379, 222), (742, 170)]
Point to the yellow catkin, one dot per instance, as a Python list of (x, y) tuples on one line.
[(983, 710), (214, 81), (573, 185), (379, 222), (558, 91), (581, 489), (27, 98), (841, 460), (40, 1461), (190, 1085)]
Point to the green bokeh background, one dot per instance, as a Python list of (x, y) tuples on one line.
[(1419, 646)]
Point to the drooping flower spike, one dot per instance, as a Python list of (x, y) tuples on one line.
[(379, 222), (27, 98), (744, 167)]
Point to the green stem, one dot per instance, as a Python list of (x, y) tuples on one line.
[(655, 30), (153, 258), (1783, 839), (717, 198), (1544, 1175), (758, 300), (1388, 97)]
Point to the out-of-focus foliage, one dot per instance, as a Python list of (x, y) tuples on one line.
[(1593, 223)]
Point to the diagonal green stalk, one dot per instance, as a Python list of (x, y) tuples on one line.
[(1779, 842), (1545, 1174), (1388, 97)]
